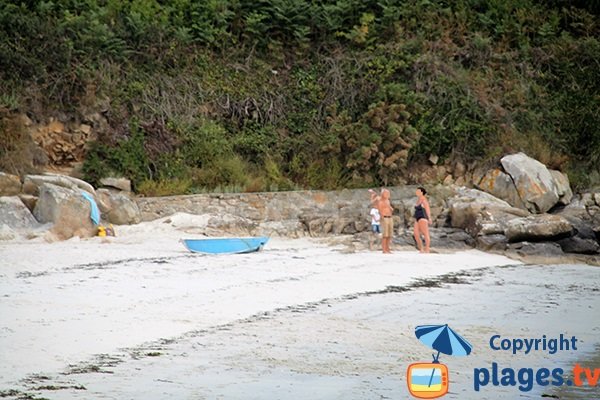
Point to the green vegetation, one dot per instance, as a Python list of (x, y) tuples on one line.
[(281, 94)]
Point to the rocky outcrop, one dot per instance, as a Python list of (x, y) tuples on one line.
[(494, 224), (538, 228), (14, 214), (584, 239), (63, 143), (525, 183), (10, 185), (461, 217), (501, 185), (493, 242), (533, 181), (116, 183), (103, 197), (576, 211), (544, 249), (480, 213), (318, 212), (32, 183), (563, 187), (67, 209), (120, 209), (579, 244), (49, 202)]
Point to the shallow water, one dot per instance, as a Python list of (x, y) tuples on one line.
[(357, 346)]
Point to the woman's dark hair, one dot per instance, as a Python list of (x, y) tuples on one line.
[(422, 189)]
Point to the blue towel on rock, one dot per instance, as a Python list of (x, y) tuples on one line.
[(95, 213)]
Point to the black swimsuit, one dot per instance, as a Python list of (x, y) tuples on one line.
[(420, 212)]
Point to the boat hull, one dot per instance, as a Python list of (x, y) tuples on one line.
[(225, 245)]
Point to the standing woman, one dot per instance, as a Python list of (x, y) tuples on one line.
[(422, 220)]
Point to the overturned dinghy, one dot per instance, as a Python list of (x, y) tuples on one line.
[(225, 245)]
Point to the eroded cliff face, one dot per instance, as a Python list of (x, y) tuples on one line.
[(55, 144)]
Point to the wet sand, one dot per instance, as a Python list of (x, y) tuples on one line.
[(358, 347), (119, 320)]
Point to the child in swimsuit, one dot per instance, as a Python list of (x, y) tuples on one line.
[(375, 225)]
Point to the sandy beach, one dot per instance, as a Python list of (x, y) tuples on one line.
[(137, 316), (300, 200)]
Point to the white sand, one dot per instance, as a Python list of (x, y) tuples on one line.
[(359, 348), (62, 303)]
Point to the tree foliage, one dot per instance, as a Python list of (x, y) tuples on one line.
[(299, 93)]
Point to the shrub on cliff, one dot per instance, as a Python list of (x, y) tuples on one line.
[(285, 92)]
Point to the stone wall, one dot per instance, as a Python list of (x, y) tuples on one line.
[(309, 212)]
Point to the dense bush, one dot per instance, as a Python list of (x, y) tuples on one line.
[(279, 94)]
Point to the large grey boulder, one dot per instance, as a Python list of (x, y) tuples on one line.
[(545, 249), (501, 185), (451, 238), (15, 214), (480, 213), (576, 210), (103, 197), (50, 199), (463, 194), (563, 187), (584, 239), (579, 218), (122, 210), (534, 182), (67, 209), (117, 183), (493, 242), (32, 183), (117, 208), (10, 185), (580, 245), (538, 228)]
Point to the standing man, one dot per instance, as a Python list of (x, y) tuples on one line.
[(382, 203)]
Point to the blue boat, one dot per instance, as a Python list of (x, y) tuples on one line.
[(225, 245)]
